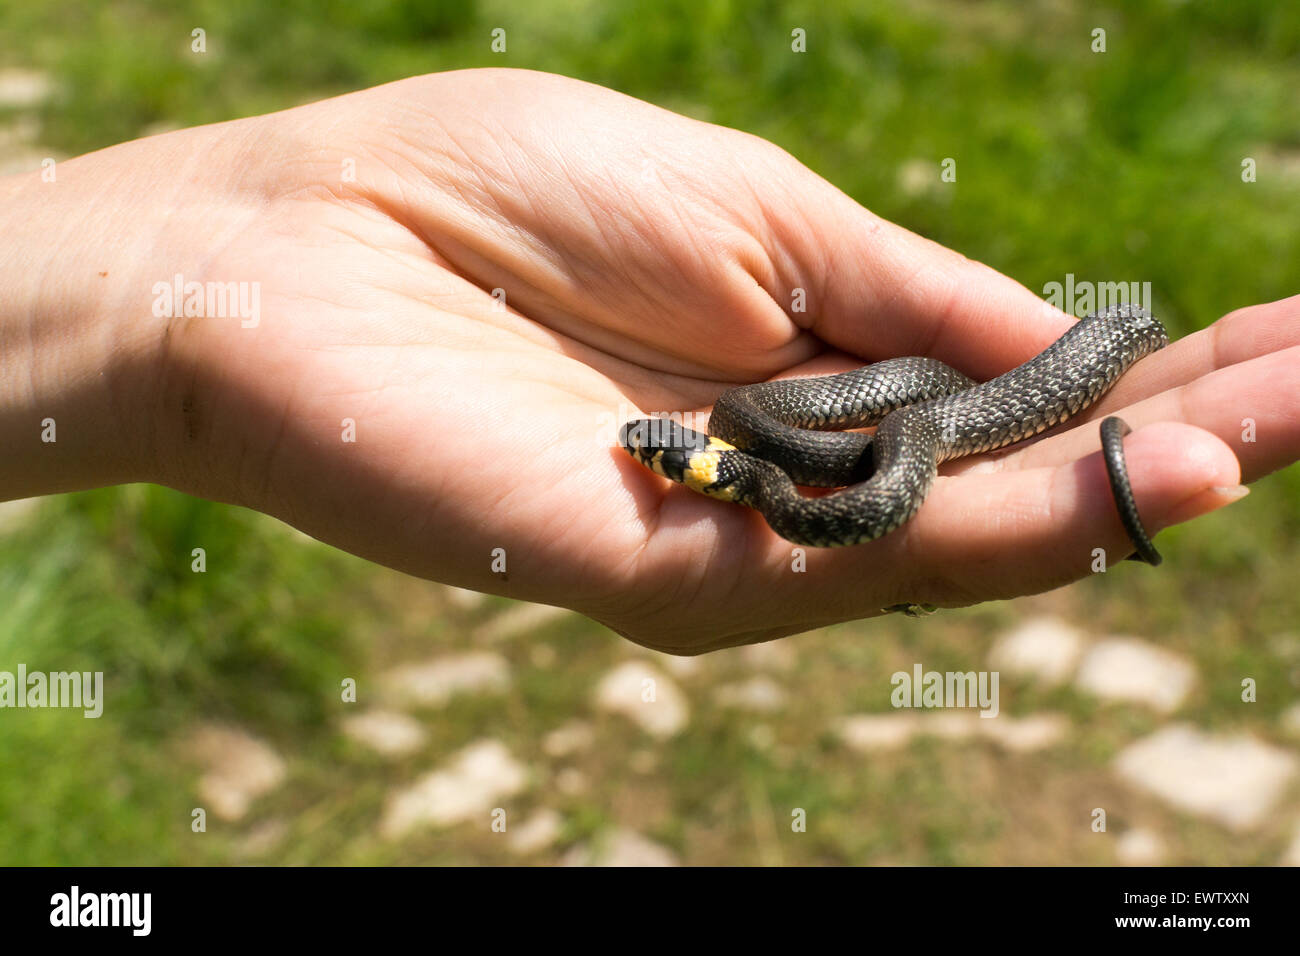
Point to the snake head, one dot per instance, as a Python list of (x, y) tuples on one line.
[(680, 454)]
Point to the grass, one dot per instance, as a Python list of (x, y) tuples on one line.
[(1122, 166)]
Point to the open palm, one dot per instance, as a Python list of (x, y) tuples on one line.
[(480, 275)]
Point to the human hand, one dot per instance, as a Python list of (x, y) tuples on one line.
[(648, 261)]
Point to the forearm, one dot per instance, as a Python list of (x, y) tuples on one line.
[(83, 349), (71, 357)]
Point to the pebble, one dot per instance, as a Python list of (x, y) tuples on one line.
[(387, 732), (522, 619), (1045, 649), (535, 834), (1235, 781), (568, 739), (621, 847), (433, 683), (239, 769), (760, 694), (1129, 670), (469, 786), (1140, 847), (646, 696)]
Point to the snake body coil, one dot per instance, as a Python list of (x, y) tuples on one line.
[(766, 438)]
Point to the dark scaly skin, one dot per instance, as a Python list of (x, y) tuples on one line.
[(758, 418), (1113, 431), (910, 442)]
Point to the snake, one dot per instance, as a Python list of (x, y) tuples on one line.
[(766, 439)]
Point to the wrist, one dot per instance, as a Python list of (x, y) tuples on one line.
[(73, 363)]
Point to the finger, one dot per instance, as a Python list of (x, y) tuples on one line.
[(1252, 406), (985, 536), (1249, 333)]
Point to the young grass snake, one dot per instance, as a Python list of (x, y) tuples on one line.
[(766, 439)]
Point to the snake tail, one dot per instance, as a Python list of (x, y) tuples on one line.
[(1113, 431)]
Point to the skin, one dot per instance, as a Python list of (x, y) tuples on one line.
[(648, 262)]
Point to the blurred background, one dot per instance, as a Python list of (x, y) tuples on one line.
[(1122, 693)]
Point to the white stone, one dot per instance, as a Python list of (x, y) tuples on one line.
[(13, 514), (468, 787), (1285, 645), (867, 732), (679, 665), (1126, 669), (1290, 721), (621, 847), (21, 88), (433, 683), (1045, 649), (542, 655), (645, 695), (19, 150), (779, 655), (239, 769), (538, 832), (1025, 734), (519, 620), (1140, 847), (1292, 855), (761, 694), (568, 739), (950, 724), (571, 782), (386, 731), (1235, 781), (919, 176), (463, 598)]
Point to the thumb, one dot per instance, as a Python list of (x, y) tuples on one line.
[(884, 291)]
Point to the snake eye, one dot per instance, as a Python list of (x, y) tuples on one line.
[(650, 435), (673, 462), (632, 435)]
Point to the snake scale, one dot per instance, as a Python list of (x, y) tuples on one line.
[(767, 438)]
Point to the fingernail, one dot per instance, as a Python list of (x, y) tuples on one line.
[(1202, 503), (1230, 493)]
